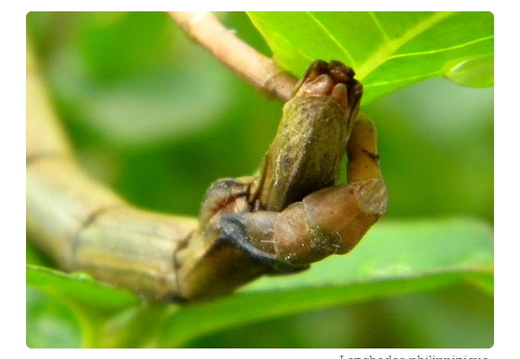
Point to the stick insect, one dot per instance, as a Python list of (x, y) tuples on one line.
[(291, 215)]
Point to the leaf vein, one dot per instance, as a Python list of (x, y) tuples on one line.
[(388, 49), (405, 79), (333, 38), (435, 51), (379, 25)]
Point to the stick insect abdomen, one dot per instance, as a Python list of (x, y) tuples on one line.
[(84, 226)]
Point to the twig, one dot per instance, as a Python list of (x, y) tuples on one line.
[(246, 62)]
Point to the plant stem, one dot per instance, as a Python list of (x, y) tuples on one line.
[(257, 69)]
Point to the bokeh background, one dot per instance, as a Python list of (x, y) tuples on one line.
[(155, 117)]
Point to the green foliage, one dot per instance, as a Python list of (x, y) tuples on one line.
[(158, 119), (388, 50), (78, 286)]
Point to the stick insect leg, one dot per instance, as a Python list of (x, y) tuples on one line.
[(363, 160)]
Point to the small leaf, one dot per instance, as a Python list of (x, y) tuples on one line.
[(388, 50), (474, 72)]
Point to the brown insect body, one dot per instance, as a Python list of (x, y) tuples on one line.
[(289, 217), (311, 125), (295, 215), (311, 140)]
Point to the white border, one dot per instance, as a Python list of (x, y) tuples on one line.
[(506, 158)]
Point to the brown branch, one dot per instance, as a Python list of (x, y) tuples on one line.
[(257, 69)]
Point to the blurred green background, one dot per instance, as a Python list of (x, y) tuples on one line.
[(155, 117)]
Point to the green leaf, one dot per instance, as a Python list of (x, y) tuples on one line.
[(394, 258), (388, 50), (50, 322), (80, 287)]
